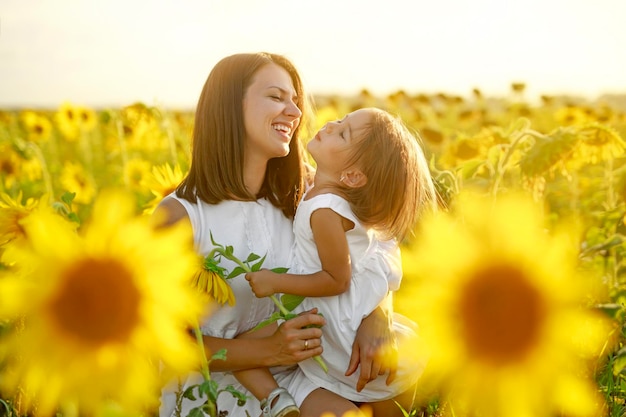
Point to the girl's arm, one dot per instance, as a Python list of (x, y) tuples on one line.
[(329, 232)]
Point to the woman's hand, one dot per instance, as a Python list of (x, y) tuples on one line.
[(375, 349), (298, 339)]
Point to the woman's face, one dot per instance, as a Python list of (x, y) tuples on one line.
[(270, 113)]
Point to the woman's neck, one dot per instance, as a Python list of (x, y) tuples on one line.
[(254, 175)]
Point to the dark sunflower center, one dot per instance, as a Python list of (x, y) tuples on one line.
[(98, 302), (501, 314), (7, 167)]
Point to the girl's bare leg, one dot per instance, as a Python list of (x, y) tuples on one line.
[(259, 381), (388, 408), (322, 401)]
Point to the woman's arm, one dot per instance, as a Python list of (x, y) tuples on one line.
[(285, 346), (375, 346), (167, 213)]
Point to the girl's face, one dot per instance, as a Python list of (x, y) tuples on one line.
[(330, 148), (270, 113)]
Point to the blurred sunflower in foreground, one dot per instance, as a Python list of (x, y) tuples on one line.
[(502, 312), (364, 411), (95, 313)]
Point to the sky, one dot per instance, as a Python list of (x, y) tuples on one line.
[(117, 52)]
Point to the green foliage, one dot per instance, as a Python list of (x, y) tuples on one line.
[(210, 391)]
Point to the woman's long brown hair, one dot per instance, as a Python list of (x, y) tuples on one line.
[(217, 155)]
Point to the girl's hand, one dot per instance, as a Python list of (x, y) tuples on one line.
[(298, 339), (375, 349), (261, 282)]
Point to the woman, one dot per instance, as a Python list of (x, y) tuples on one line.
[(246, 178)]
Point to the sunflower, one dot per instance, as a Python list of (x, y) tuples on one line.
[(432, 136), (210, 279), (15, 168), (101, 310), (572, 115), (73, 120), (464, 152), (75, 179), (501, 310), (600, 143), (65, 118), (142, 128), (162, 181), (67, 121), (9, 165), (12, 213), (88, 119), (38, 127), (135, 171)]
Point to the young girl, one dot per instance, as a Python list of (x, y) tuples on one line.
[(371, 184)]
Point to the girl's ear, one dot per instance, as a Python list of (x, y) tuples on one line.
[(353, 178)]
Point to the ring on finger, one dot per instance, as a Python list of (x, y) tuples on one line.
[(306, 344)]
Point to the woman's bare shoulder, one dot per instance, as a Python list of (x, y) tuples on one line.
[(168, 212)]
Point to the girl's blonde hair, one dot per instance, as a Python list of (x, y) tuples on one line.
[(399, 185)]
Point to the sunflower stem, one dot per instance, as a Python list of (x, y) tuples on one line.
[(203, 360), (121, 140), (503, 162), (608, 175), (170, 140), (44, 170)]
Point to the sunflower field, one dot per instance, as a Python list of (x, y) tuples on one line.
[(517, 284)]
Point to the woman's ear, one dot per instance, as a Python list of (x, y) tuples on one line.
[(353, 178)]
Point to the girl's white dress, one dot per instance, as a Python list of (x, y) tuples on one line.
[(257, 227), (376, 270)]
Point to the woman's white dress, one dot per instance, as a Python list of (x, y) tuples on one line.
[(256, 227)]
